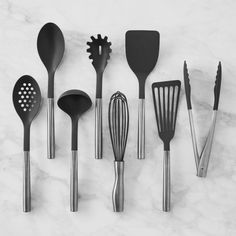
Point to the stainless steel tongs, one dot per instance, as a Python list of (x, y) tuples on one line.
[(202, 160)]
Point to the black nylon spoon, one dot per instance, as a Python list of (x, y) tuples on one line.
[(51, 47), (74, 103), (26, 99), (142, 50)]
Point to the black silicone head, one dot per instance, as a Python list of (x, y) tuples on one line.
[(74, 103), (166, 100), (51, 47), (142, 50), (26, 100)]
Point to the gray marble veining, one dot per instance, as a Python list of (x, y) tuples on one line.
[(200, 32)]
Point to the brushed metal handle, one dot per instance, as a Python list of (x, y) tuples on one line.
[(26, 183), (50, 129), (141, 129), (118, 189), (194, 139), (166, 181), (74, 182), (98, 128), (206, 152)]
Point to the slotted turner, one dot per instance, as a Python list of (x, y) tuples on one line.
[(166, 100), (142, 50), (26, 99)]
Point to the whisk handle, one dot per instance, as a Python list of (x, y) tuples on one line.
[(141, 129), (166, 181), (98, 128), (118, 189)]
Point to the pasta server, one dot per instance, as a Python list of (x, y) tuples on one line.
[(99, 50), (26, 100), (202, 160)]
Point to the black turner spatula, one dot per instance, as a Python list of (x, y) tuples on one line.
[(142, 50), (166, 100)]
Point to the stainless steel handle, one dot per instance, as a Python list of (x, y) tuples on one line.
[(194, 139), (118, 189), (50, 129), (98, 128), (166, 181), (206, 152), (74, 182), (141, 129), (26, 183)]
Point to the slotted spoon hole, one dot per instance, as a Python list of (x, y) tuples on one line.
[(100, 50)]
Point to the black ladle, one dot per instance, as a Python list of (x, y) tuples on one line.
[(26, 99), (74, 103), (51, 47)]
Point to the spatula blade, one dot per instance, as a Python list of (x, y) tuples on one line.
[(142, 50)]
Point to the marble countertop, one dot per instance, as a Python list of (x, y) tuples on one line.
[(200, 32)]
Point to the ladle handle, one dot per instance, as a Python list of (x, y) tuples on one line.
[(26, 183), (141, 129), (50, 129), (74, 182), (98, 128)]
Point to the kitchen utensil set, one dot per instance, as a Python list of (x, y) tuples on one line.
[(202, 160), (142, 50)]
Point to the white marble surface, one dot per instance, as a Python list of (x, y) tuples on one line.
[(202, 32)]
